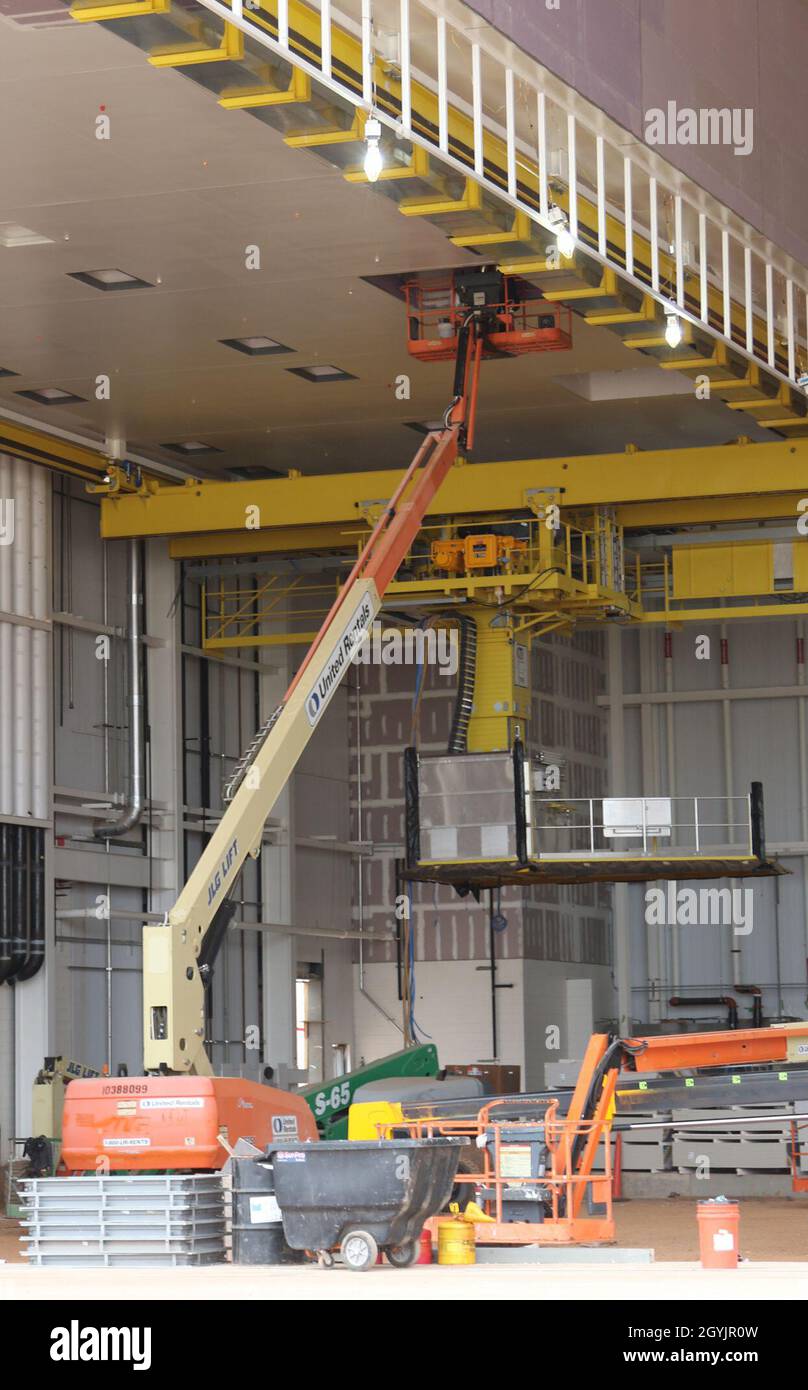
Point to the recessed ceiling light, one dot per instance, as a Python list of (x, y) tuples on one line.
[(192, 446), (6, 371), (12, 234), (256, 347), (255, 470), (110, 280), (425, 426), (51, 395), (324, 372)]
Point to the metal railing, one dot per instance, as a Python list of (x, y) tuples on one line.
[(564, 1181), (274, 611), (620, 827)]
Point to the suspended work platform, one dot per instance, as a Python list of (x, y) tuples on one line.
[(488, 820)]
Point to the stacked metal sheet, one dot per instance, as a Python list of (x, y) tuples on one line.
[(646, 1150), (641, 1150), (748, 1147), (130, 1221)]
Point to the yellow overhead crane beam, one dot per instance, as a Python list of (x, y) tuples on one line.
[(581, 567), (63, 455), (660, 487), (473, 216)]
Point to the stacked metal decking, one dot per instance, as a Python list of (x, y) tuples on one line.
[(132, 1221), (746, 1147)]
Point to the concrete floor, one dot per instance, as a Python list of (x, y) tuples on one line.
[(774, 1242), (634, 1283), (772, 1229)]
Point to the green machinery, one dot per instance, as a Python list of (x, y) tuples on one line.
[(330, 1102)]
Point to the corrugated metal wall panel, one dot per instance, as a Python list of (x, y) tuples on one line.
[(24, 648), (764, 744)]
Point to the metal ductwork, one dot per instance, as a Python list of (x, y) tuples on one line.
[(699, 1001), (25, 741), (135, 806)]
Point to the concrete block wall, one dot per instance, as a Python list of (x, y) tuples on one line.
[(553, 934), (453, 1010), (563, 1005)]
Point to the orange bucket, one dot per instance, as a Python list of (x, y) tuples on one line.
[(719, 1228)]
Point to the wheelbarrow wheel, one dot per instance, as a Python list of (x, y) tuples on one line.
[(359, 1250), (403, 1255)]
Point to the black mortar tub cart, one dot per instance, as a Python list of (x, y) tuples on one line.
[(362, 1196)]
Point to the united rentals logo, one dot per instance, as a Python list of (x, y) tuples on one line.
[(337, 662), (75, 1343)]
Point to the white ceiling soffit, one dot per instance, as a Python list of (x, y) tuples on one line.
[(637, 384), (176, 212)]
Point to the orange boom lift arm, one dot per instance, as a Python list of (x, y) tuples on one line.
[(594, 1095)]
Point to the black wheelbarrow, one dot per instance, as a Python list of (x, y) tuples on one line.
[(362, 1196)]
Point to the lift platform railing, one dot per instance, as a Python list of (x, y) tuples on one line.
[(435, 315), (546, 561), (616, 826), (484, 807), (503, 1146)]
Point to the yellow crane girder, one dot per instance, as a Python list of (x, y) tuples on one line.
[(661, 487)]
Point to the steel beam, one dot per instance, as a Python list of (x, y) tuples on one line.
[(661, 486)]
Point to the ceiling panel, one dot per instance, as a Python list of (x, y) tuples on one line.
[(174, 197)]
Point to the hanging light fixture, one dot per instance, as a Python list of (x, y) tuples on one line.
[(565, 241), (673, 330), (374, 161)]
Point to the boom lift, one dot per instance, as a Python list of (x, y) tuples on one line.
[(541, 1175), (172, 1117)]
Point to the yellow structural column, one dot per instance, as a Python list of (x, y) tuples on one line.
[(501, 685)]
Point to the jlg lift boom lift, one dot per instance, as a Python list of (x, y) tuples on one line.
[(172, 1116)]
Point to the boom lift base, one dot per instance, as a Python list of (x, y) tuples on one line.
[(148, 1123)]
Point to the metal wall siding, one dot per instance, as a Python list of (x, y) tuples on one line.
[(24, 648)]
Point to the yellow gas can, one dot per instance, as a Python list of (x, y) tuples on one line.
[(456, 1240)]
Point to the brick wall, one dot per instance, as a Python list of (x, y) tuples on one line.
[(562, 922), (567, 924)]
